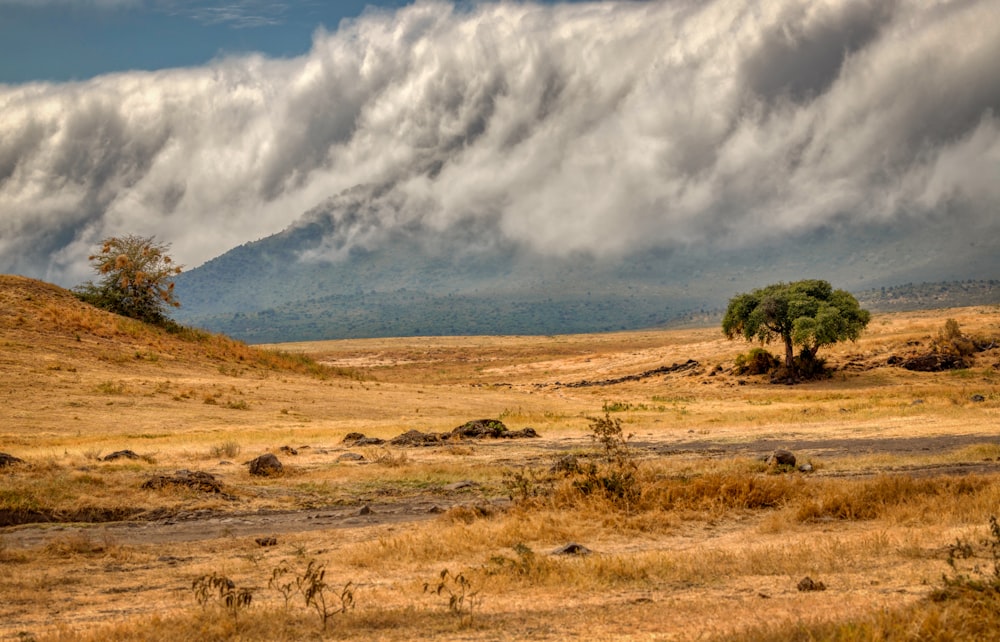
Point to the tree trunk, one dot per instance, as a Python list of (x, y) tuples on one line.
[(789, 354)]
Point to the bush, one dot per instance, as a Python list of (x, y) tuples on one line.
[(136, 279), (756, 362)]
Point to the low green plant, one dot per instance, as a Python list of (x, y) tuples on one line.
[(615, 477), (756, 362), (525, 484)]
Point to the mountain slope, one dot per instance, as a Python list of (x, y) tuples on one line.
[(337, 274)]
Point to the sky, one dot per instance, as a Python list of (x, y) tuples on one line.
[(600, 127)]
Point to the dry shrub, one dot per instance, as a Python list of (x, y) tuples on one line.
[(78, 544), (967, 619), (874, 498), (720, 492)]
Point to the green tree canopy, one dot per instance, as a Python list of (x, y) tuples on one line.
[(809, 313), (136, 278)]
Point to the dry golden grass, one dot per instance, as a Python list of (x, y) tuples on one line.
[(712, 544)]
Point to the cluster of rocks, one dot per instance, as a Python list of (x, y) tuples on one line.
[(477, 429), (934, 362), (195, 480)]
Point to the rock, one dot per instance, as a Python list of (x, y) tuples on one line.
[(365, 510), (935, 362), (806, 468), (265, 465), (572, 549), (781, 458), (120, 454), (480, 428), (351, 457), (417, 438), (9, 460), (459, 485), (288, 450), (977, 398), (197, 480), (808, 584), (524, 433), (358, 439), (267, 541)]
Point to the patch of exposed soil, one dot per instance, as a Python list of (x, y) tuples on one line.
[(822, 447), (208, 524)]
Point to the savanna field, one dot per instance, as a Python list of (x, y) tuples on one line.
[(644, 509)]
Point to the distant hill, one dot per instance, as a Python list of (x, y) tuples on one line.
[(930, 296), (329, 276)]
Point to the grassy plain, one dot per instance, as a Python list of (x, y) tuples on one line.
[(707, 541)]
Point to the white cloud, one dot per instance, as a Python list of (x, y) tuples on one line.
[(100, 4), (586, 127)]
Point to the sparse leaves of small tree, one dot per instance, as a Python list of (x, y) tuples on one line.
[(282, 583), (317, 593), (136, 278), (215, 586), (963, 554), (616, 479), (457, 588)]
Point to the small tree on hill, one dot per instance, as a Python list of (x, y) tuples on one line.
[(809, 313), (136, 278)]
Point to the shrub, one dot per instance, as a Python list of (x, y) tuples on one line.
[(756, 362)]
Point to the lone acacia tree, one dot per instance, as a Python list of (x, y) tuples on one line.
[(809, 313), (136, 278)]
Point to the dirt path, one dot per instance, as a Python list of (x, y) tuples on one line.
[(204, 525), (207, 524), (823, 447)]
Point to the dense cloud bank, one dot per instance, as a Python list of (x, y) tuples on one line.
[(588, 127)]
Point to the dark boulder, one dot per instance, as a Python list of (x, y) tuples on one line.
[(572, 549), (808, 584), (417, 438), (265, 466), (781, 458), (9, 460), (120, 454), (358, 439)]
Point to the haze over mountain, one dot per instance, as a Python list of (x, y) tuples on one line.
[(533, 152)]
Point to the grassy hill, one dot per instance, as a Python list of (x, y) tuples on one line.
[(61, 333)]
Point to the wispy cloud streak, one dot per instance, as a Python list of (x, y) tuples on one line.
[(591, 127)]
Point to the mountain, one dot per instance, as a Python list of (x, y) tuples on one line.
[(337, 273)]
